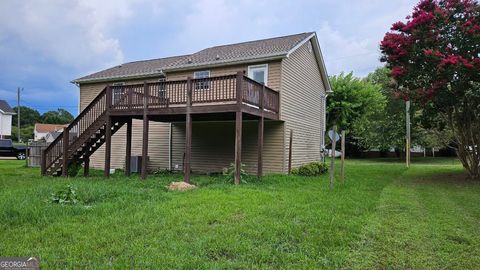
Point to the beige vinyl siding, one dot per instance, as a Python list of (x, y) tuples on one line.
[(208, 155), (301, 105), (213, 146)]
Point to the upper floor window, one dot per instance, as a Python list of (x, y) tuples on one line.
[(258, 73), (201, 84), (161, 88), (117, 92)]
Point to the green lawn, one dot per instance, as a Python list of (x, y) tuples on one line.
[(383, 217)]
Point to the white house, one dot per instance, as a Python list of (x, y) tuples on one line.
[(6, 113)]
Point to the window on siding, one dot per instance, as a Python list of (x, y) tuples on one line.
[(161, 88), (201, 84), (259, 73), (117, 92)]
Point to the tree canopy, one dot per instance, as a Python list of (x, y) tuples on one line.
[(28, 116), (435, 59), (59, 116), (353, 106)]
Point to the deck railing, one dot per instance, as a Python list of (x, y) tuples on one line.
[(207, 91)]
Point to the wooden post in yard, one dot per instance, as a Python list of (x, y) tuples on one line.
[(145, 132), (188, 133), (342, 168), (290, 150), (332, 160), (128, 148), (408, 139)]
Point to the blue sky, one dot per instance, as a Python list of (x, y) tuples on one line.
[(44, 44)]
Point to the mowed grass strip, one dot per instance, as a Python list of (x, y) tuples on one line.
[(384, 216)]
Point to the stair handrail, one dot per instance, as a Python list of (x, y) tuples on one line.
[(69, 127)]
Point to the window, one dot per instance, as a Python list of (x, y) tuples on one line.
[(161, 88), (259, 73), (117, 92), (201, 84)]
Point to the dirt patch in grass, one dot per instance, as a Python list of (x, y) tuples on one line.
[(180, 186)]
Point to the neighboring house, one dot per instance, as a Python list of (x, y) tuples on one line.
[(6, 113), (228, 121), (40, 131), (51, 136)]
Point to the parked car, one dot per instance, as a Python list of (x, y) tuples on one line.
[(7, 149)]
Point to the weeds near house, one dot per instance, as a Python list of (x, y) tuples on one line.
[(65, 196), (230, 173)]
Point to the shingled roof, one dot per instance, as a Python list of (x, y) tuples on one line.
[(219, 55), (5, 108)]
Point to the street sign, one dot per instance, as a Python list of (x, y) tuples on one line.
[(332, 134)]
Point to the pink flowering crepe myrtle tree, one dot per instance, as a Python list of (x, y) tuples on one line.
[(435, 59)]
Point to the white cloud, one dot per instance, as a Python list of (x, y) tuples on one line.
[(343, 53), (70, 33)]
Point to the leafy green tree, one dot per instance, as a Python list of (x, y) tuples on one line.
[(435, 58), (28, 116), (26, 133), (59, 116), (354, 106)]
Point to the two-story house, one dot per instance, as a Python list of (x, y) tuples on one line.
[(238, 103), (6, 113)]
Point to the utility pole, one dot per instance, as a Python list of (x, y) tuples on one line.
[(18, 114), (408, 137)]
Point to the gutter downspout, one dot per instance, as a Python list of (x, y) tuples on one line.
[(324, 128)]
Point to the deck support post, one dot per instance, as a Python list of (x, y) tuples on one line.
[(108, 133), (188, 132), (108, 146), (86, 166), (65, 153), (260, 134), (44, 163), (238, 128), (145, 132), (290, 150), (260, 147), (238, 147), (128, 148)]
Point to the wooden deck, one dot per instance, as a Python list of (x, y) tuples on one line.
[(232, 97), (210, 95)]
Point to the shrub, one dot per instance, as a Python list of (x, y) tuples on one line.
[(73, 168), (311, 169)]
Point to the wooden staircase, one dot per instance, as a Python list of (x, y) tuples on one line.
[(81, 138)]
